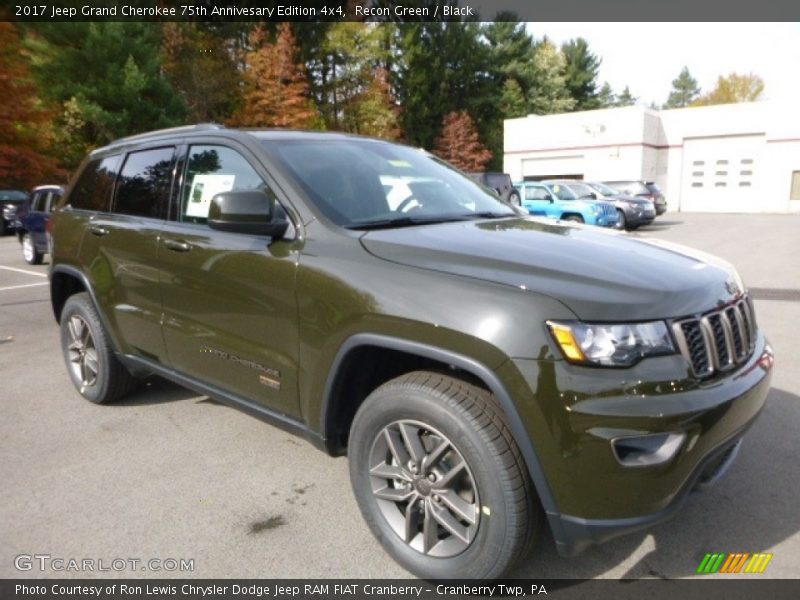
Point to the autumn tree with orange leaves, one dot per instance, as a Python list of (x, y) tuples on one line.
[(23, 121), (458, 143), (276, 87)]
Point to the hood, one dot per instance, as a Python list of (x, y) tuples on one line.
[(600, 275)]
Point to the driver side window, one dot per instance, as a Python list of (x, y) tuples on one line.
[(212, 170), (536, 193)]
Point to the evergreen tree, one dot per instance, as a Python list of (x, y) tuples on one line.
[(106, 79), (512, 100), (626, 98), (581, 73), (606, 97), (458, 143), (23, 120), (684, 90), (276, 89), (733, 88), (549, 93), (444, 67)]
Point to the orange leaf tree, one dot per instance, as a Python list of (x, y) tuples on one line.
[(276, 87), (23, 120), (458, 143)]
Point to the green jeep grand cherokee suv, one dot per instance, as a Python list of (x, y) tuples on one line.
[(481, 369)]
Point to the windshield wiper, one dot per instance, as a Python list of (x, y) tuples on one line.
[(487, 214), (403, 222)]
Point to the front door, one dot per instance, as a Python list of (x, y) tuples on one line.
[(230, 313)]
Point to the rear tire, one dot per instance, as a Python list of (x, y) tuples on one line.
[(29, 252), (92, 366), (440, 448)]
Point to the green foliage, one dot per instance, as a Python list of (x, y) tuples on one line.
[(733, 88), (581, 71), (512, 100), (110, 73), (606, 97), (626, 98), (684, 90), (549, 93)]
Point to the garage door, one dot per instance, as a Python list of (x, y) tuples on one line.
[(721, 174)]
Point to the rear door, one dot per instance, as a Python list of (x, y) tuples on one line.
[(121, 248), (230, 312)]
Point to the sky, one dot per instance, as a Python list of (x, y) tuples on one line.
[(648, 56)]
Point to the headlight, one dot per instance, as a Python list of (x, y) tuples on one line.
[(611, 345)]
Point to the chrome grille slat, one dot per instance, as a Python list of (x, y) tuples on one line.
[(718, 340)]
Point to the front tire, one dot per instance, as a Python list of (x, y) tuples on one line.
[(622, 222), (92, 366), (439, 479), (513, 198), (29, 252), (574, 219)]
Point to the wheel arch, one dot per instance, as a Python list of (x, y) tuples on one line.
[(333, 398), (66, 281)]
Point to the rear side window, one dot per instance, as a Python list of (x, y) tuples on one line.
[(536, 193), (144, 183), (93, 187)]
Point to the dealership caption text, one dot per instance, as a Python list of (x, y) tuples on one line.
[(231, 10), (277, 591)]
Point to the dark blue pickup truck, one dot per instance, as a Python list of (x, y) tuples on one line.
[(31, 222)]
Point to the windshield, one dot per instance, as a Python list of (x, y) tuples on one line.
[(12, 196), (365, 182), (603, 189), (582, 190), (562, 192)]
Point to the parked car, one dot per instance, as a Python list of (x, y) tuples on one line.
[(10, 200), (632, 211), (500, 183), (644, 189), (482, 370), (31, 222), (557, 201)]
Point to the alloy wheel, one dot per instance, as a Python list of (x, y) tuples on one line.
[(424, 488), (82, 352)]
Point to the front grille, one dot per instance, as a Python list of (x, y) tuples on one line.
[(718, 340)]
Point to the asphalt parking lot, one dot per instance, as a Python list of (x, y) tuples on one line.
[(166, 474)]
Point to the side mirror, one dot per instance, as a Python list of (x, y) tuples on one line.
[(593, 196), (252, 212)]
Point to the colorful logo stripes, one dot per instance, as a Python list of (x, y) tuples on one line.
[(736, 562)]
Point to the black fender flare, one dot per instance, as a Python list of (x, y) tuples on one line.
[(474, 367)]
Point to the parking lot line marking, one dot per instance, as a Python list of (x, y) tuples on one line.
[(27, 285), (24, 271)]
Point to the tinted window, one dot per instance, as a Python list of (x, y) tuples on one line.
[(12, 195), (37, 200), (144, 183), (562, 192), (211, 170), (92, 189)]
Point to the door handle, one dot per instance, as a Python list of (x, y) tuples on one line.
[(97, 230), (177, 245)]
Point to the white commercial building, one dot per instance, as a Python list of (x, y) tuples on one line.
[(726, 158)]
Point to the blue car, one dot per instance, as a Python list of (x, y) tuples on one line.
[(559, 202), (31, 222)]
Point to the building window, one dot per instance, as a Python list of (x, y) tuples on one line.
[(697, 184), (745, 172), (722, 162), (697, 174), (744, 184), (698, 163), (720, 184), (722, 172), (747, 161), (795, 194)]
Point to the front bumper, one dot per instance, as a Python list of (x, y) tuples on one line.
[(583, 411)]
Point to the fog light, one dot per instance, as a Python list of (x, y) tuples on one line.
[(647, 450)]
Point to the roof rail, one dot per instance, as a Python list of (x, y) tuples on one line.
[(183, 128)]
